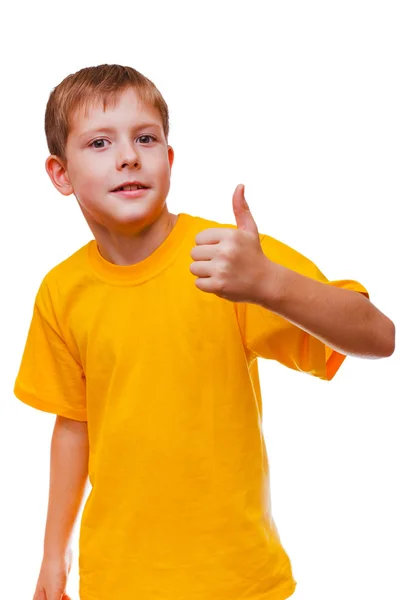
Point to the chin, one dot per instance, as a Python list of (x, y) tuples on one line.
[(132, 220)]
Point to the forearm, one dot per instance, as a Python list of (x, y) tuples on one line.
[(343, 319), (68, 477)]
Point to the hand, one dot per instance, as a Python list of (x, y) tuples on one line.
[(52, 579), (230, 263)]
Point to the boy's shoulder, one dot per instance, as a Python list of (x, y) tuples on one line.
[(72, 264), (67, 273)]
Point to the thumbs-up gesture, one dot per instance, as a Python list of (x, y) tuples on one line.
[(230, 263)]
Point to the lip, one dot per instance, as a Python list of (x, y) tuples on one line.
[(129, 183), (132, 193)]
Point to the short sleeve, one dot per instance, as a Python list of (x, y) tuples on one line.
[(49, 377), (268, 335)]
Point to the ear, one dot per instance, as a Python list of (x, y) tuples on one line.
[(58, 174), (171, 156)]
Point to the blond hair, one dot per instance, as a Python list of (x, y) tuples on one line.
[(90, 85)]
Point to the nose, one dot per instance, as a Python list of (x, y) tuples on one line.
[(127, 156)]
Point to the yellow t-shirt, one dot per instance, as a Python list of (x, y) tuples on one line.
[(166, 377)]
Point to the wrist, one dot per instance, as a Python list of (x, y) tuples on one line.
[(57, 555), (271, 285)]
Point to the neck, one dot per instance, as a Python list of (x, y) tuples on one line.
[(130, 247)]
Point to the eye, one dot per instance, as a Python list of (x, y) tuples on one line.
[(95, 142), (147, 136)]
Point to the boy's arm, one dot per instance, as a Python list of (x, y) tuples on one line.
[(68, 477), (343, 319), (241, 265)]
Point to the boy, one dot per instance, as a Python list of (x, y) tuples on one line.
[(144, 343)]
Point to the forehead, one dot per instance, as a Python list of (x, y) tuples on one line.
[(124, 106)]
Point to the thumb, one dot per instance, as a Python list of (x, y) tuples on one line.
[(243, 216)]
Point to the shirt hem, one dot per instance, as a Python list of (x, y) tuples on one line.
[(35, 402), (281, 593)]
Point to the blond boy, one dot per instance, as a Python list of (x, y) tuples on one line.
[(144, 343)]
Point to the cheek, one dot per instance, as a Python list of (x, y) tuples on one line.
[(92, 178), (164, 172)]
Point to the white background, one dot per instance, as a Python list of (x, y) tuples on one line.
[(300, 101)]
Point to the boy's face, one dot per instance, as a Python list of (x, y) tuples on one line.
[(106, 149)]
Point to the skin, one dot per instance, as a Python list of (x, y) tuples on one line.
[(126, 230)]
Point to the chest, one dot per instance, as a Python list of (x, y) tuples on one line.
[(151, 323)]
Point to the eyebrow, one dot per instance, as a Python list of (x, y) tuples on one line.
[(112, 129)]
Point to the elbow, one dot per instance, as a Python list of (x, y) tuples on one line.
[(388, 339)]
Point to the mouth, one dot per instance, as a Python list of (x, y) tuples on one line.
[(130, 191), (130, 187)]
